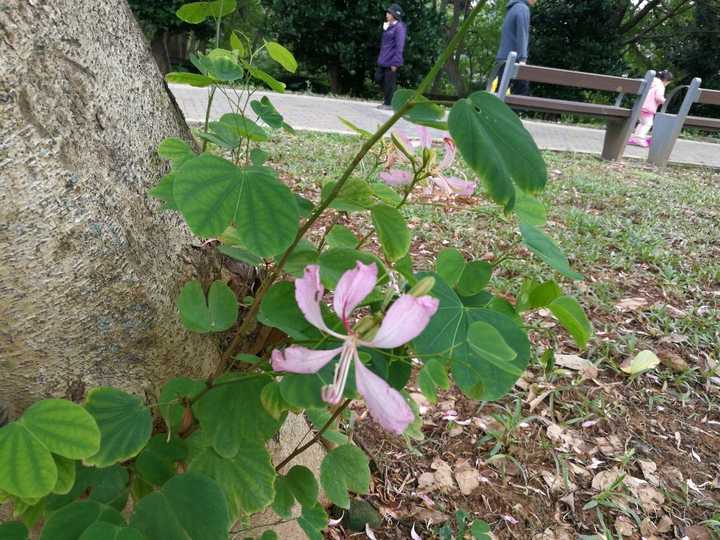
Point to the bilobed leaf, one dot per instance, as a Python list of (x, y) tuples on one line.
[(221, 65), (305, 253), (189, 506), (108, 486), (280, 310), (193, 79), (157, 463), (240, 254), (125, 425), (175, 150), (282, 56), (303, 486), (433, 375), (221, 8), (496, 145), (217, 314), (446, 337), (267, 112), (643, 361), (354, 196), (107, 531), (247, 480), (230, 422), (193, 13), (244, 128), (543, 295), (164, 192), (343, 470), (27, 467), (284, 501), (392, 231), (572, 317), (66, 475), (271, 398), (313, 520), (487, 343), (260, 75), (450, 265), (212, 192), (474, 278), (341, 237), (542, 246), (71, 521)]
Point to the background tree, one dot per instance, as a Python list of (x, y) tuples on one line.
[(342, 38)]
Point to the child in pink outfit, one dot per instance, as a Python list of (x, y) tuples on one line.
[(655, 98)]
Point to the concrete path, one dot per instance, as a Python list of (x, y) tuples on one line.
[(315, 113)]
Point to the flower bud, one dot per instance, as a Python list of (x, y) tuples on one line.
[(367, 326), (423, 287)]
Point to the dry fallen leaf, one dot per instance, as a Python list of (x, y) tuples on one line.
[(631, 304), (443, 475), (467, 478), (611, 446), (674, 362), (556, 483), (697, 532), (624, 526), (604, 479), (643, 361), (650, 499), (429, 516), (572, 361), (649, 470)]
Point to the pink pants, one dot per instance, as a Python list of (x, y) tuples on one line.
[(642, 130)]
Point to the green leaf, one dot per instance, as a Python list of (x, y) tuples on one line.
[(71, 521), (189, 506), (304, 254), (355, 195), (319, 418), (269, 535), (193, 79), (496, 145), (280, 310), (220, 64), (171, 398), (271, 398), (125, 425), (221, 8), (487, 342), (446, 337), (475, 277), (27, 467), (282, 56), (157, 463), (386, 194), (241, 254), (529, 210), (344, 469), (303, 486), (542, 246), (65, 475), (164, 192), (480, 530), (267, 112), (108, 486), (106, 531), (313, 520), (391, 230), (423, 113), (304, 391), (244, 127), (450, 265), (63, 427), (260, 75), (341, 237), (284, 501), (258, 156), (230, 422), (542, 295), (13, 530), (433, 375), (572, 317), (212, 192), (238, 44), (193, 13), (335, 262), (304, 206), (357, 129), (175, 150), (218, 314), (247, 480), (643, 361)]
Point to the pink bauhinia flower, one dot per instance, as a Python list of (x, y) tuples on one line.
[(404, 321), (450, 185)]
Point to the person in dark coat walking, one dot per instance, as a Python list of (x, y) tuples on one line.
[(515, 37), (391, 58)]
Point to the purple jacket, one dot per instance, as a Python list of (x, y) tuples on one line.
[(392, 45)]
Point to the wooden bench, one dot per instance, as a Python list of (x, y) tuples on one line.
[(620, 120), (667, 127)]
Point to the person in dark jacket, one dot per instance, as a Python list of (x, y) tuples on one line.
[(391, 58), (515, 37)]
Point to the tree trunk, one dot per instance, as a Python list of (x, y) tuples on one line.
[(90, 266)]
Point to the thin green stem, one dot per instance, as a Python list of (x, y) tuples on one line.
[(207, 114)]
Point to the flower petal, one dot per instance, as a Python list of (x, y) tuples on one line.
[(405, 320), (425, 137), (454, 186), (386, 405), (296, 359), (353, 287), (449, 156), (396, 177), (308, 293)]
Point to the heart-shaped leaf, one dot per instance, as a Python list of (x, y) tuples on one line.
[(157, 463), (267, 112), (171, 399), (71, 521), (107, 531), (125, 425), (282, 56), (450, 265), (217, 314), (475, 277), (345, 469)]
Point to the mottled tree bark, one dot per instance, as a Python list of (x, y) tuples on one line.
[(89, 265)]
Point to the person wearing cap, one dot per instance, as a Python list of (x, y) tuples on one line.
[(390, 58)]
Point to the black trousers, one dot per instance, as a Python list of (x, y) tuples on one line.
[(519, 88), (387, 79)]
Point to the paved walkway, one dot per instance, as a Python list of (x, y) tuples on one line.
[(314, 113)]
